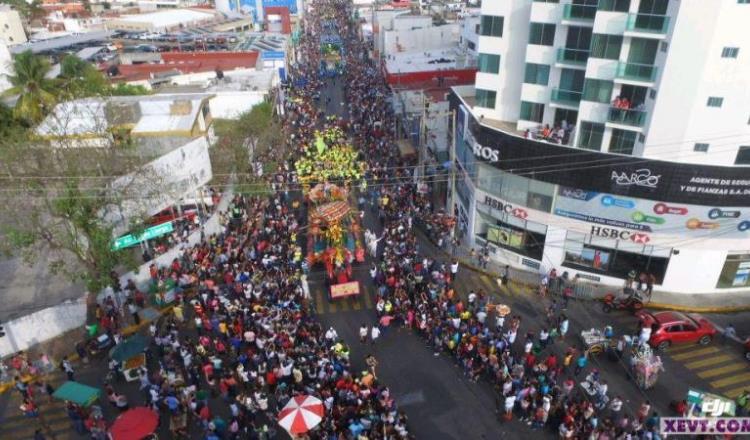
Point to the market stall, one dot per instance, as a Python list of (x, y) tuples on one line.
[(130, 354), (78, 393), (646, 367)]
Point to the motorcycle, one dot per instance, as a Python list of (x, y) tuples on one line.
[(632, 302)]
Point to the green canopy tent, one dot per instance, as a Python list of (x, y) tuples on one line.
[(129, 348), (77, 393)]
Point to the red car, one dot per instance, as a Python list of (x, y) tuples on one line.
[(677, 328)]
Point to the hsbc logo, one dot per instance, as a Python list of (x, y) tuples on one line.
[(485, 153), (505, 207), (635, 237)]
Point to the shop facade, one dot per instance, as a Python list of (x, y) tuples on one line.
[(602, 218)]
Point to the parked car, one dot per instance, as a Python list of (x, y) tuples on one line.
[(677, 328)]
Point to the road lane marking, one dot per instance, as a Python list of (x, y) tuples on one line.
[(734, 392), (368, 299), (680, 348), (695, 353), (356, 302), (721, 370), (319, 301), (731, 380), (709, 361)]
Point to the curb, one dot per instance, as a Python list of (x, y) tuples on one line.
[(651, 305), (126, 331)]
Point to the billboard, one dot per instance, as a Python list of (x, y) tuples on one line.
[(651, 216), (629, 176), (251, 7)]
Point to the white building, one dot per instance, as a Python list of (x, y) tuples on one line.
[(163, 20), (654, 184), (11, 26)]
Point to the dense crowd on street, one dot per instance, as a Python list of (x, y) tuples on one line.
[(240, 341)]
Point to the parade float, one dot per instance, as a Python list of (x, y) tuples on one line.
[(327, 170), (331, 49)]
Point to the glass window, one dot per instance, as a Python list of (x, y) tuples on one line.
[(606, 46), (515, 189), (547, 1), (532, 111), (591, 135), (736, 271), (486, 98), (655, 7), (489, 63), (491, 26), (597, 90), (642, 51), (516, 235), (622, 141), (536, 74), (578, 38), (582, 254), (614, 5), (572, 80), (542, 34), (540, 195), (701, 147), (715, 101), (730, 52), (743, 156)]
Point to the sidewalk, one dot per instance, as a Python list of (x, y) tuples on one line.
[(698, 303)]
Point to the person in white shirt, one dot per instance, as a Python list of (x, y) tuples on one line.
[(331, 335), (374, 334), (363, 334)]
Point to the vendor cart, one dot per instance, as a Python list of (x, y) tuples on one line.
[(344, 290), (595, 341), (646, 366)]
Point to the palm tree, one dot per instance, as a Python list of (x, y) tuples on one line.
[(34, 89)]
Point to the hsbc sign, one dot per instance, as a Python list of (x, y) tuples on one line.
[(505, 207), (635, 237)]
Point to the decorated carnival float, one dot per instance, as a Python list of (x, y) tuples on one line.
[(327, 171)]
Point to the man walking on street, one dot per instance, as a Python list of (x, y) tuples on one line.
[(374, 334), (67, 368), (363, 334)]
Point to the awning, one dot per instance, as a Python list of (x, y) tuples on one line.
[(77, 393)]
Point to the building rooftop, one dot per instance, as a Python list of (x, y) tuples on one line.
[(427, 61), (63, 41), (169, 18), (187, 62), (145, 114)]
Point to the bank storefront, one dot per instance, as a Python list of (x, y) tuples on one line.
[(602, 217)]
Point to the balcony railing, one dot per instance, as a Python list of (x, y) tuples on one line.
[(631, 117), (572, 56), (651, 23), (579, 12), (568, 97), (636, 72)]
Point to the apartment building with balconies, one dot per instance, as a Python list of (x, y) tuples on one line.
[(664, 79)]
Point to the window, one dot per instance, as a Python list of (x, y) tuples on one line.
[(542, 34), (652, 93), (547, 1), (591, 135), (597, 90), (715, 101), (486, 98), (508, 232), (622, 141), (532, 111), (641, 138), (471, 45), (736, 271), (743, 2), (491, 26), (489, 63), (700, 147), (676, 328), (664, 46), (614, 5), (606, 46), (743, 156), (730, 52), (536, 74)]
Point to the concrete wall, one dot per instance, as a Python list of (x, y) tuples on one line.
[(29, 330), (418, 40)]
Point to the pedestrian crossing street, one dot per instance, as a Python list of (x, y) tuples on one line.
[(52, 420), (366, 299), (725, 371)]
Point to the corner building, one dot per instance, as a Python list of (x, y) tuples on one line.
[(611, 136)]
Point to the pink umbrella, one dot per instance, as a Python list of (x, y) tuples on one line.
[(301, 414)]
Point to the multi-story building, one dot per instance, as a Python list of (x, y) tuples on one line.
[(610, 137), (11, 26)]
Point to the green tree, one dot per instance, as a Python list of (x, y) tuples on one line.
[(80, 79), (255, 137), (34, 90)]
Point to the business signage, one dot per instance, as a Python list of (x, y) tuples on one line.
[(152, 232), (505, 207), (663, 181), (620, 234), (649, 216)]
